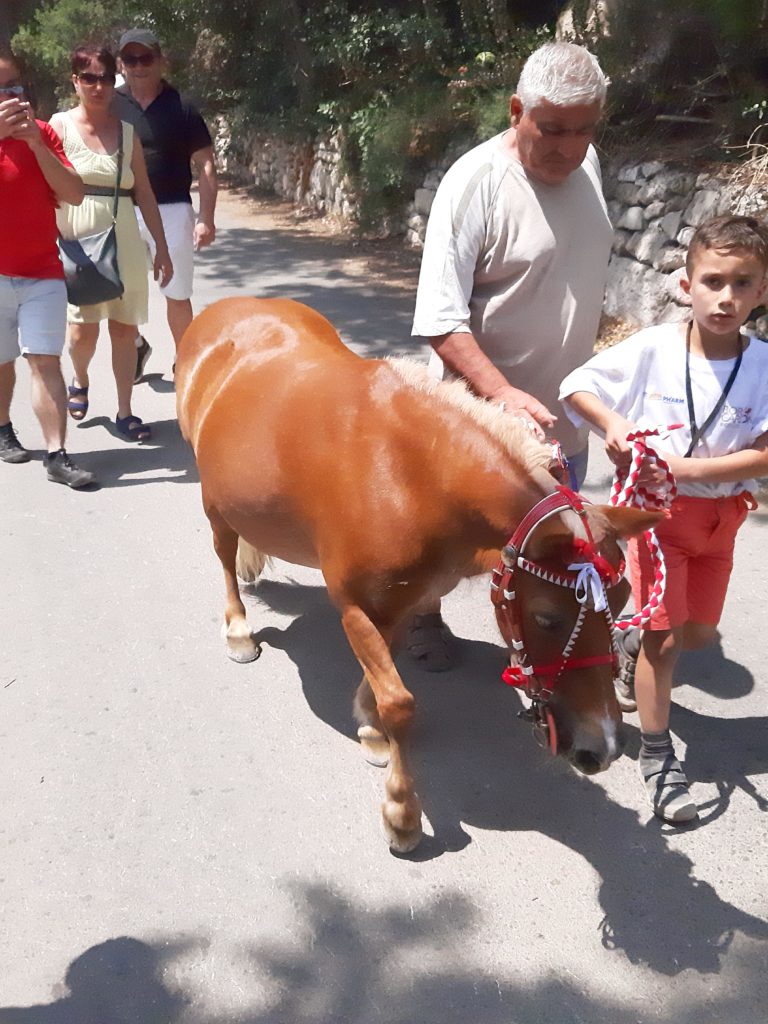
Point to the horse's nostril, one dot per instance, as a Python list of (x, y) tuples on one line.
[(587, 761)]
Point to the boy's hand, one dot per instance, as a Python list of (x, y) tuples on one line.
[(616, 444)]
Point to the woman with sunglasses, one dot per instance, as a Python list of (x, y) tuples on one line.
[(91, 135)]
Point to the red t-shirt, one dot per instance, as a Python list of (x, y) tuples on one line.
[(28, 210)]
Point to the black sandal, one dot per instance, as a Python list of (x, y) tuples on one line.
[(77, 410)]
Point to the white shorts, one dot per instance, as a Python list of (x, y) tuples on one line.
[(179, 227), (33, 317)]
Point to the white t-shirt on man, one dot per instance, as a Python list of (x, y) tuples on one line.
[(522, 266), (643, 379)]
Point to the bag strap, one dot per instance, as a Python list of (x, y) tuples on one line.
[(119, 173)]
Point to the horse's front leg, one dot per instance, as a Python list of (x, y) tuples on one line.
[(394, 708), (241, 646)]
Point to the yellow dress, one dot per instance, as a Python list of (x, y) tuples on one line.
[(95, 215)]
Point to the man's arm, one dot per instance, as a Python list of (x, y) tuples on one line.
[(65, 182), (463, 356), (208, 185)]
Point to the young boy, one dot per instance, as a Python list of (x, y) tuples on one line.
[(713, 378)]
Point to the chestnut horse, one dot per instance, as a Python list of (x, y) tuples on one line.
[(396, 487)]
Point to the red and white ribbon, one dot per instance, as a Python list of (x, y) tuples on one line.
[(626, 491)]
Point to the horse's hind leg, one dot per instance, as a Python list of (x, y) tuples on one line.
[(241, 646), (373, 740), (401, 810)]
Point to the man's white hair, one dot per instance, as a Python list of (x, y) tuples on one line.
[(561, 73)]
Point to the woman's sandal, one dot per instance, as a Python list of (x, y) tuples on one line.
[(133, 429), (77, 410)]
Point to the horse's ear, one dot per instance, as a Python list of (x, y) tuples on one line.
[(630, 522)]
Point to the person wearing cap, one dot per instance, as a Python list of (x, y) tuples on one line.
[(175, 140)]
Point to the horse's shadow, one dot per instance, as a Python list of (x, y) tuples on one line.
[(475, 763)]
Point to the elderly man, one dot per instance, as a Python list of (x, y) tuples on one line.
[(515, 261), (174, 136)]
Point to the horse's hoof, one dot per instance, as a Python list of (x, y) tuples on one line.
[(374, 746), (399, 841), (402, 825), (242, 652)]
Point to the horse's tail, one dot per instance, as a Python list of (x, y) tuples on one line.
[(250, 562)]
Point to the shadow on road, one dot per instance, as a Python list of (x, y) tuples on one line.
[(355, 965), (166, 458), (475, 763), (295, 266)]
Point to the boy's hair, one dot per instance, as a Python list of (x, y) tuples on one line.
[(730, 232)]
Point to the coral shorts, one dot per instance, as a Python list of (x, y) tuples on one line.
[(697, 541)]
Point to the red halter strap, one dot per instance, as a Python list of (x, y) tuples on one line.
[(587, 578)]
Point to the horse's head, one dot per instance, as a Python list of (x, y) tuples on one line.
[(556, 591)]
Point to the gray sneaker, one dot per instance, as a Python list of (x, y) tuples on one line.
[(628, 643), (62, 470), (11, 450), (667, 789)]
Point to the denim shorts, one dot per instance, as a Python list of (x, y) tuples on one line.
[(33, 317)]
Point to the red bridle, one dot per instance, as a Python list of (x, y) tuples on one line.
[(587, 576)]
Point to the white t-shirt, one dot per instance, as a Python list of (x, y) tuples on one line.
[(519, 264), (643, 379)]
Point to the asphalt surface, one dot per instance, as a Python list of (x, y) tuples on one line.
[(184, 839)]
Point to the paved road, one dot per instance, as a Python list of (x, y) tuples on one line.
[(188, 840)]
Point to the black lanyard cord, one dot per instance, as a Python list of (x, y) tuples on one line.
[(698, 432)]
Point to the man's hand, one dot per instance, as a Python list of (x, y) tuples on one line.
[(521, 404), (204, 234), (14, 114), (162, 267)]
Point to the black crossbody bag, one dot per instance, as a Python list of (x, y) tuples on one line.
[(90, 264)]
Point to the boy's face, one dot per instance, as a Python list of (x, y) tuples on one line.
[(725, 286)]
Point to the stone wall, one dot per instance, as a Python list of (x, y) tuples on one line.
[(307, 174), (653, 206)]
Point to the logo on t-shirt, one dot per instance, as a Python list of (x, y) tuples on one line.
[(733, 414), (656, 396)]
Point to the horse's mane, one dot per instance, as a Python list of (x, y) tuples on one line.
[(508, 430)]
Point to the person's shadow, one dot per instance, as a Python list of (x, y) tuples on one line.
[(475, 763), (115, 982)]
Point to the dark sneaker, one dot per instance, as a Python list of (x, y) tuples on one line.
[(62, 470), (10, 449), (430, 643), (143, 352), (628, 643)]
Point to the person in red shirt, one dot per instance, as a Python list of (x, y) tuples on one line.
[(34, 176)]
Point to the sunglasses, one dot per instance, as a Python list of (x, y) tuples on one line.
[(91, 78), (132, 59), (12, 90)]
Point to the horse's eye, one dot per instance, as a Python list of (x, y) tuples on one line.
[(545, 621)]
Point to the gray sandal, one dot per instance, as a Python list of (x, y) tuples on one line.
[(667, 788)]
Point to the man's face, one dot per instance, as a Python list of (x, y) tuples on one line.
[(141, 65), (551, 141), (724, 286)]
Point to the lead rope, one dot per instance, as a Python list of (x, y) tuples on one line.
[(626, 491)]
